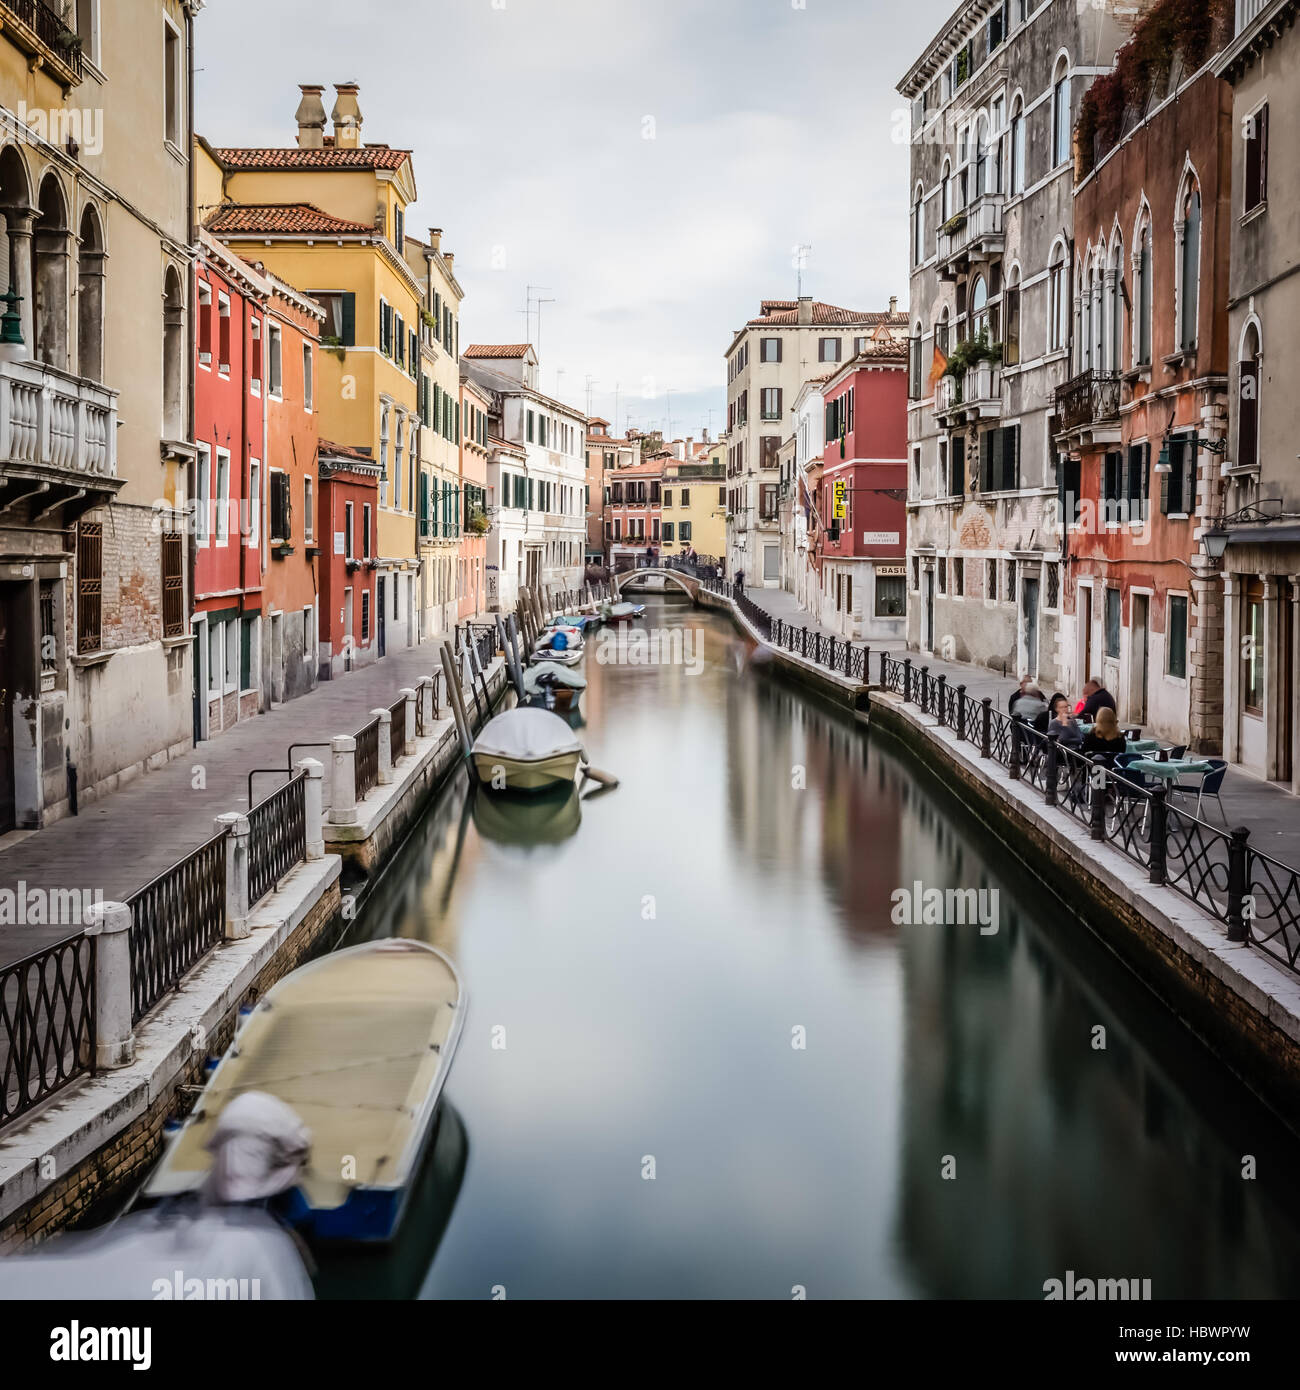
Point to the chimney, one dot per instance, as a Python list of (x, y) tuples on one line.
[(893, 304), (449, 259), (311, 118), (805, 309), (347, 117), (435, 238)]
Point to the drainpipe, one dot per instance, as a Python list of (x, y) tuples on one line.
[(191, 468)]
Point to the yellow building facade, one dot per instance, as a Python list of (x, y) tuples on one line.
[(693, 505), (329, 216)]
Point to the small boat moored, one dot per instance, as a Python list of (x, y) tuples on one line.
[(555, 683), (526, 749), (622, 612), (357, 1045)]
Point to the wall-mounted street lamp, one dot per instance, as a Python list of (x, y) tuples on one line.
[(1215, 540)]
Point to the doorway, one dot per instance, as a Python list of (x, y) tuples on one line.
[(927, 637), (1140, 656), (1029, 615), (11, 662), (347, 629), (380, 626), (1085, 620)]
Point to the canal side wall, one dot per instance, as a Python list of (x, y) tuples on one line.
[(1239, 1003), (387, 814), (848, 694), (94, 1141)]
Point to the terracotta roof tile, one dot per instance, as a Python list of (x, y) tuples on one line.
[(785, 313), (278, 217), (367, 157), (496, 350)]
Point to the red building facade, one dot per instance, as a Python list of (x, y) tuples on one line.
[(859, 558), (345, 522), (229, 480)]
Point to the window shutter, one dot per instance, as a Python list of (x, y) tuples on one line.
[(986, 461), (349, 325), (1164, 491)]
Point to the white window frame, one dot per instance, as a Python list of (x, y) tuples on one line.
[(254, 503), (202, 496), (223, 497), (308, 509), (174, 139), (273, 362), (308, 378)]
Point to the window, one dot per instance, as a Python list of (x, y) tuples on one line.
[(991, 579), (275, 379), (770, 403), (685, 533), (916, 571), (1137, 485), (216, 653), (384, 480), (1000, 459), (668, 497), (254, 504), (1189, 232), (1058, 329), (686, 497), (87, 28), (223, 496), (223, 335), (365, 531), (1011, 312), (914, 365), (828, 350), (308, 379), (668, 532), (280, 520), (957, 478), (1017, 171), (1176, 637), (1255, 132), (1112, 488), (340, 326), (1252, 649), (1061, 114), (997, 26), (769, 350), (205, 323), (1178, 485), (1115, 338), (173, 583), (365, 615), (308, 511), (308, 634), (1010, 594), (918, 228), (1142, 275), (348, 552), (203, 495), (958, 577), (979, 307), (1053, 599), (90, 585), (1069, 482), (1248, 380), (941, 566), (1112, 622), (173, 87), (945, 193), (769, 445)]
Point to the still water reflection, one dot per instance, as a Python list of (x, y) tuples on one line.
[(638, 965)]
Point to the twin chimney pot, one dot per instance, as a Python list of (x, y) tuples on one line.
[(346, 117)]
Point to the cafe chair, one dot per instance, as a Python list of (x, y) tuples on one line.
[(1210, 784)]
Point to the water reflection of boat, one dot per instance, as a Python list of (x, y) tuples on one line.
[(358, 1045), (398, 1270), (622, 612), (547, 818)]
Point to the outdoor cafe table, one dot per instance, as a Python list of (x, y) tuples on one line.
[(1133, 745), (1172, 770)]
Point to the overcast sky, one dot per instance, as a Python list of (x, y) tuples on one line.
[(771, 125)]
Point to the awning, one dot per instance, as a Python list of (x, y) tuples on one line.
[(1265, 535)]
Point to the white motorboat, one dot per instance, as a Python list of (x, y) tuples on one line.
[(526, 749)]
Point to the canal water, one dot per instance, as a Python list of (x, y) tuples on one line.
[(702, 1059)]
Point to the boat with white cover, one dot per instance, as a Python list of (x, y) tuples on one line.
[(526, 749)]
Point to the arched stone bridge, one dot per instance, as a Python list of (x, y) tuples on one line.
[(627, 579)]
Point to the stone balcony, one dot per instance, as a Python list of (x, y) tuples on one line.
[(976, 395), (972, 235), (36, 30), (1087, 408), (58, 440)]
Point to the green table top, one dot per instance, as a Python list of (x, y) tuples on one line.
[(1173, 769)]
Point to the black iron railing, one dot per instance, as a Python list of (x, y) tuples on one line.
[(51, 30), (397, 728), (1088, 399), (1254, 895), (367, 761), (277, 838), (176, 919), (47, 1023)]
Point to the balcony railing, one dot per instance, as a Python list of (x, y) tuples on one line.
[(43, 34), (1090, 398), (976, 232), (976, 393), (52, 419)]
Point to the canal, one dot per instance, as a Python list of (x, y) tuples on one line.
[(701, 1059)]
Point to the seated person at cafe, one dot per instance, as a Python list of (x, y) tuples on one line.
[(1106, 735), (1095, 697), (1063, 724)]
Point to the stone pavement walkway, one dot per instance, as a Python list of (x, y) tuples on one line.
[(1271, 813), (117, 844)]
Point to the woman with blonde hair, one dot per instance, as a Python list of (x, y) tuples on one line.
[(1105, 736)]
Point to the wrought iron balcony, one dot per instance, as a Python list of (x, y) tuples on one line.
[(974, 234), (1088, 400), (35, 29), (58, 439)]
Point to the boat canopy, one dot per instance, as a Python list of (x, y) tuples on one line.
[(551, 673), (526, 734)]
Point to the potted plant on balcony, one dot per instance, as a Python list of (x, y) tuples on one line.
[(477, 523), (971, 353), (954, 224)]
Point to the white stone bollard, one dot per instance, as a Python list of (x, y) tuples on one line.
[(110, 924), (408, 742), (235, 824), (313, 800), (385, 745), (424, 693), (343, 788)]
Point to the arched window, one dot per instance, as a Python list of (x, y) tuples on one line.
[(1142, 293), (982, 174), (1058, 275), (979, 307), (1248, 382), (1017, 179), (1011, 317), (173, 356), (51, 248), (941, 326), (918, 228), (90, 298), (945, 191), (1189, 276), (1083, 320), (16, 231), (1115, 295), (1061, 113)]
